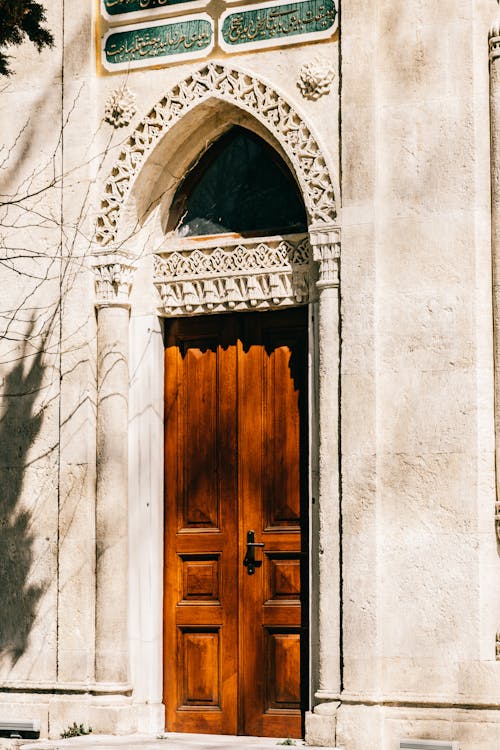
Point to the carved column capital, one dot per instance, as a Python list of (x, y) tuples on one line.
[(113, 274), (494, 38), (325, 242)]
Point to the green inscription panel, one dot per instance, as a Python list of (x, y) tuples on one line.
[(140, 45), (118, 7), (261, 25)]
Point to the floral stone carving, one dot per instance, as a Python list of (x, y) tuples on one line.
[(315, 79), (215, 81), (120, 107), (242, 275), (113, 274)]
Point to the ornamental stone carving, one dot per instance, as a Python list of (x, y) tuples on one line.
[(113, 274), (216, 81), (494, 38), (242, 275), (120, 107), (315, 79), (325, 243)]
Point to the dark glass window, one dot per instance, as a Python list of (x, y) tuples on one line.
[(240, 185)]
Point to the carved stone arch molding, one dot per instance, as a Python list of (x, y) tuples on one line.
[(245, 91)]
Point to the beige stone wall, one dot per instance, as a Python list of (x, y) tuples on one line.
[(47, 371), (418, 486), (406, 133)]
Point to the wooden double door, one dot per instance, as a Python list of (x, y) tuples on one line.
[(236, 540)]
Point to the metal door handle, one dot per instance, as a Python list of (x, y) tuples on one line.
[(249, 561)]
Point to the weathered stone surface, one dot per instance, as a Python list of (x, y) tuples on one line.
[(405, 565)]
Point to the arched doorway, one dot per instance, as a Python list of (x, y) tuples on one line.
[(134, 294), (236, 455)]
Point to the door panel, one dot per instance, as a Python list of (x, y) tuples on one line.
[(272, 465), (236, 461), (200, 630)]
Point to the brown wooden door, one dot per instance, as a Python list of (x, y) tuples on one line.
[(235, 644)]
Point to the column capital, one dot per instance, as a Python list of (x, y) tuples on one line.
[(325, 242), (494, 38), (113, 274)]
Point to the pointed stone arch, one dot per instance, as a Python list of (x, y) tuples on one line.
[(247, 92), (272, 272)]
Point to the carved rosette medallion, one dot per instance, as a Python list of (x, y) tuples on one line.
[(325, 242), (246, 92), (235, 275), (120, 107), (315, 79), (113, 274)]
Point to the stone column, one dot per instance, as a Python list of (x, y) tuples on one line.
[(113, 281), (325, 243), (494, 44)]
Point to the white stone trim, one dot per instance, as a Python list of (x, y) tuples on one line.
[(91, 688), (251, 94), (494, 47), (231, 274)]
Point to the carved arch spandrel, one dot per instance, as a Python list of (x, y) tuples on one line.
[(246, 92)]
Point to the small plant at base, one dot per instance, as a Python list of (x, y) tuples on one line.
[(162, 736), (77, 730), (288, 741)]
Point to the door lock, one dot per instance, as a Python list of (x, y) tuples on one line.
[(249, 561)]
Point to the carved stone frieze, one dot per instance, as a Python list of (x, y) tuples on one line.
[(113, 274), (120, 107), (315, 79), (235, 275), (325, 242), (216, 81)]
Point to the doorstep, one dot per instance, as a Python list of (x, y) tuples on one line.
[(167, 741)]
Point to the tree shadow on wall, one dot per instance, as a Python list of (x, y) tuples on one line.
[(19, 427)]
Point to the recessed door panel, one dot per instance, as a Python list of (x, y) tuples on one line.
[(200, 454), (199, 662), (283, 669), (235, 634)]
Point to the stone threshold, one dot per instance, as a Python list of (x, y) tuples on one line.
[(166, 741)]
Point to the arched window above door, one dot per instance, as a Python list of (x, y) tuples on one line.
[(239, 186), (237, 235)]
